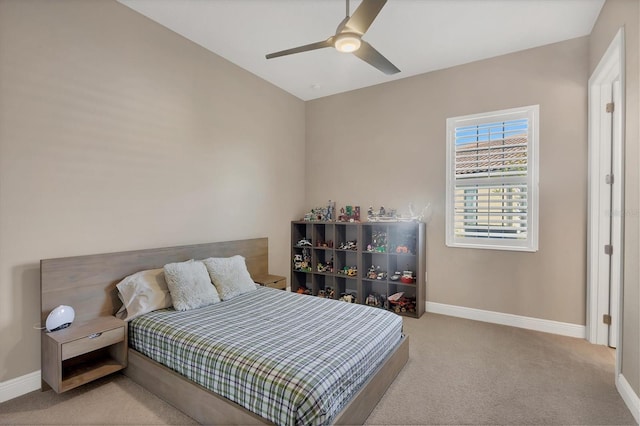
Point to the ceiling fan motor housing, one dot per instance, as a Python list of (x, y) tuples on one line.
[(347, 42)]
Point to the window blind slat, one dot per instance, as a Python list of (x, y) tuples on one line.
[(474, 147), (489, 234), (473, 222), (488, 174)]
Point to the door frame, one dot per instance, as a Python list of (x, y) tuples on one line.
[(609, 69)]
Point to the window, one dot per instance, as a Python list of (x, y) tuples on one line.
[(492, 180)]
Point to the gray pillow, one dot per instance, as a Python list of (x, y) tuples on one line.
[(229, 275), (189, 285)]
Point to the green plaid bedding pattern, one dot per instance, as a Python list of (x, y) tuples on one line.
[(292, 359)]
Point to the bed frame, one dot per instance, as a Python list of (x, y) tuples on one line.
[(88, 283)]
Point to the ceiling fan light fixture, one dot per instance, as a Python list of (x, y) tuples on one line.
[(348, 38), (347, 42)]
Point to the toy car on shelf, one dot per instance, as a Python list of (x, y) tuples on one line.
[(395, 297), (373, 300), (348, 297), (372, 274), (350, 271), (301, 263), (407, 277), (303, 290), (327, 293), (325, 244), (399, 303), (348, 245), (326, 267), (303, 243)]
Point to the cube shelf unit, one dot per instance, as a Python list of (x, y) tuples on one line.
[(327, 237)]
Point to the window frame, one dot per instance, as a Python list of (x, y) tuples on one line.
[(530, 243)]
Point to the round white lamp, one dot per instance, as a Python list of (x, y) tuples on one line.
[(61, 317)]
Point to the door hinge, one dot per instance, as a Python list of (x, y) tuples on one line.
[(608, 249), (606, 318), (610, 107), (608, 179)]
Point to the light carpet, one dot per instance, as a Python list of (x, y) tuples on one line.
[(460, 372)]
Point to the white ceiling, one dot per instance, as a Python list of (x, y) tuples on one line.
[(417, 36)]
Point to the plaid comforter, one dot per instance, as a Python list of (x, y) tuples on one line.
[(290, 358)]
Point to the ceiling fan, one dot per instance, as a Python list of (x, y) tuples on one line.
[(348, 38)]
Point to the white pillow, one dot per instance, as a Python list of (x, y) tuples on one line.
[(143, 292), (229, 275), (189, 285)]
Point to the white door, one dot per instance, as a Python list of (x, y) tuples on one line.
[(606, 109)]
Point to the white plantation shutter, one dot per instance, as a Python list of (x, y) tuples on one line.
[(492, 180)]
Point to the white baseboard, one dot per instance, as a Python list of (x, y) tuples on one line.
[(629, 396), (19, 386), (547, 326)]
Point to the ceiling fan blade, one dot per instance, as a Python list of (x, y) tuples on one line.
[(364, 15), (313, 46), (371, 56)]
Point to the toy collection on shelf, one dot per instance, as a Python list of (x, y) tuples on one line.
[(347, 297), (397, 302), (348, 245), (378, 242), (377, 301), (351, 213), (401, 243), (375, 273), (302, 261), (350, 271), (326, 267), (327, 293), (322, 214)]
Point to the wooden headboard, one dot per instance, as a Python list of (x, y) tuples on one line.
[(88, 283)]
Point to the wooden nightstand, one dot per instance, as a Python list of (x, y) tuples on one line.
[(83, 352), (273, 281)]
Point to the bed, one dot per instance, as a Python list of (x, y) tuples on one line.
[(198, 387)]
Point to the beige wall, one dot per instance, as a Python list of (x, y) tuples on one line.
[(117, 134), (616, 14), (386, 145)]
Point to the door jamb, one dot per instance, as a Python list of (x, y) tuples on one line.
[(611, 64)]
